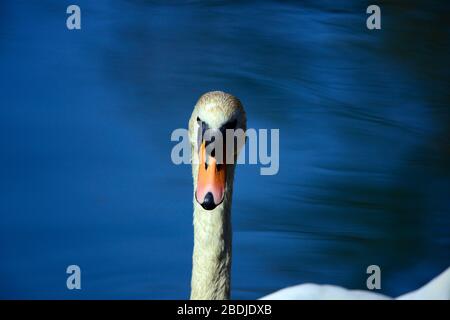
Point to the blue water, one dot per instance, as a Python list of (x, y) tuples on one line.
[(86, 118)]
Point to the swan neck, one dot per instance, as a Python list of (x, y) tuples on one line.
[(211, 263)]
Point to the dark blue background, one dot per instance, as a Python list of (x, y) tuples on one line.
[(86, 118)]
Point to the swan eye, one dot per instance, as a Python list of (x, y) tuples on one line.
[(229, 125), (202, 127)]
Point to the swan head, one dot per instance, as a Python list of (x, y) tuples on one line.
[(214, 151)]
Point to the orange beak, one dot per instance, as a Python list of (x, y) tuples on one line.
[(210, 181)]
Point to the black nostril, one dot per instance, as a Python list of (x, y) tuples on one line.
[(208, 202)]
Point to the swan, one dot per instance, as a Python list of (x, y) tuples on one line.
[(213, 185)]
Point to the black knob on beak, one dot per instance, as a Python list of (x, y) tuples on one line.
[(208, 202)]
